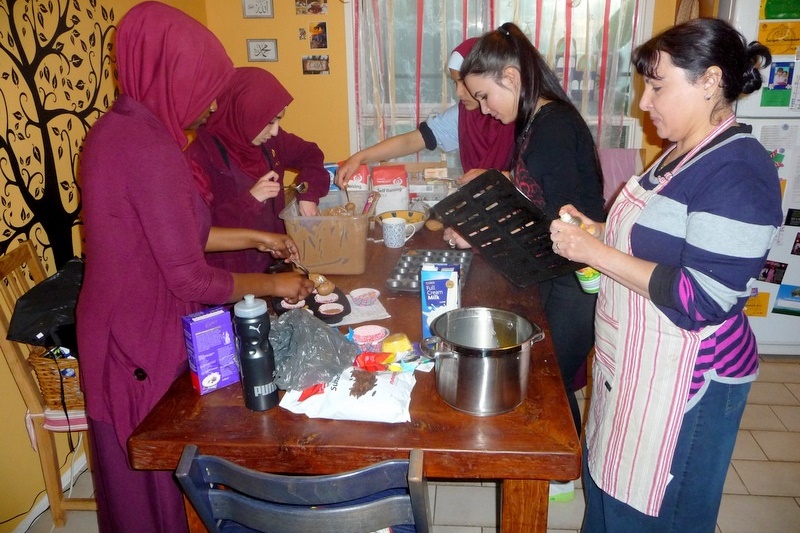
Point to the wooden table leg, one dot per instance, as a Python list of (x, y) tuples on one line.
[(195, 524), (524, 506)]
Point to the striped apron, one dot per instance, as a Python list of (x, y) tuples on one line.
[(641, 374)]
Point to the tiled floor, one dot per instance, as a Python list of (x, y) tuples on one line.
[(762, 491)]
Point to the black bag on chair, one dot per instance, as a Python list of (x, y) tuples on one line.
[(45, 315)]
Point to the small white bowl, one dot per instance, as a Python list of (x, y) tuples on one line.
[(328, 299), (370, 337), (365, 297), (298, 305), (415, 218), (331, 309)]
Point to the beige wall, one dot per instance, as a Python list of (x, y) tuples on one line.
[(319, 113)]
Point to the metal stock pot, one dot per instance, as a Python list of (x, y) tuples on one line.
[(482, 358)]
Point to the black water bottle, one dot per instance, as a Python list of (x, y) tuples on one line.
[(256, 359)]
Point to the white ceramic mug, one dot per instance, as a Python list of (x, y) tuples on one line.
[(396, 232)]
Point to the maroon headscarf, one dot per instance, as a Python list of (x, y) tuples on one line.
[(483, 141), (170, 63), (253, 98)]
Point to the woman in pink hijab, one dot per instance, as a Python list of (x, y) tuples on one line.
[(146, 229), (482, 141), (242, 152)]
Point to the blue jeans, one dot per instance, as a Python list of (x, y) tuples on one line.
[(699, 466)]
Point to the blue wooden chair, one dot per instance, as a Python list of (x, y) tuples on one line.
[(230, 498)]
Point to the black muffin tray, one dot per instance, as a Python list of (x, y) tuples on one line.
[(405, 275), (510, 232), (312, 305)]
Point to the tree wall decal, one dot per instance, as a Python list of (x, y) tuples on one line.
[(57, 76)]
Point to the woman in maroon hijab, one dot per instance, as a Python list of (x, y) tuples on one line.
[(146, 228), (242, 153), (482, 141)]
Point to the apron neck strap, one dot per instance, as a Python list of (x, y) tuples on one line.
[(725, 124)]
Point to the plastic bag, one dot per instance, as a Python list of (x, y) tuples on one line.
[(358, 395), (307, 350), (45, 315)]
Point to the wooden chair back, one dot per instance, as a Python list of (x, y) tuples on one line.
[(21, 270)]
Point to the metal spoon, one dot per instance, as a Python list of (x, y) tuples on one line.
[(300, 266), (300, 188)]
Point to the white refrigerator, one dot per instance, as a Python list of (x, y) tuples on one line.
[(774, 113)]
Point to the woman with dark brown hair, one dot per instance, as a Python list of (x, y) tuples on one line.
[(675, 355)]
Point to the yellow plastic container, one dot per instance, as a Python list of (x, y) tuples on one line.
[(331, 244)]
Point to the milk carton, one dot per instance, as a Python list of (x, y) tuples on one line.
[(440, 292), (331, 168), (211, 349)]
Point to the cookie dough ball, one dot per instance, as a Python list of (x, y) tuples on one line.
[(434, 225)]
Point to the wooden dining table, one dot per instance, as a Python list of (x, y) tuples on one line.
[(522, 449)]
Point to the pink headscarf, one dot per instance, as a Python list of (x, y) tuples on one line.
[(483, 141), (170, 63), (252, 99)]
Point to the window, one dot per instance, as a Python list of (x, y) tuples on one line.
[(401, 48)]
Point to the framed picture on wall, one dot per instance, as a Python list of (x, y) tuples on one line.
[(258, 9), (262, 49), (316, 65)]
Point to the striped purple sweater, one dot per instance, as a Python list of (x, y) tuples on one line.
[(710, 229)]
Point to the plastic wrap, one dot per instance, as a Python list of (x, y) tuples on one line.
[(307, 350)]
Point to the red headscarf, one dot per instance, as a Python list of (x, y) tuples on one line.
[(253, 98), (483, 141), (170, 63)]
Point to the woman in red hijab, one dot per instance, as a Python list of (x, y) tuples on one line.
[(146, 227), (482, 141), (242, 152)]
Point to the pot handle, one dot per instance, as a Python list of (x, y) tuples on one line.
[(427, 347)]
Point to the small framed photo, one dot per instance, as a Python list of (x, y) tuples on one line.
[(258, 9), (262, 49), (316, 65)]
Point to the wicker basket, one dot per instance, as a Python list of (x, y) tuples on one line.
[(55, 376)]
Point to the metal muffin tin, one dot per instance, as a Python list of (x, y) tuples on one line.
[(405, 275)]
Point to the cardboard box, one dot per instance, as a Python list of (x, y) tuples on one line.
[(211, 349), (435, 173), (440, 292), (430, 192)]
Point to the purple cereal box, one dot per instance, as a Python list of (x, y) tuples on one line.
[(211, 349)]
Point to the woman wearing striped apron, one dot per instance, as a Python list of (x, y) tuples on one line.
[(682, 245)]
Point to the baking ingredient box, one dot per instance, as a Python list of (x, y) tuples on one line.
[(211, 349)]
